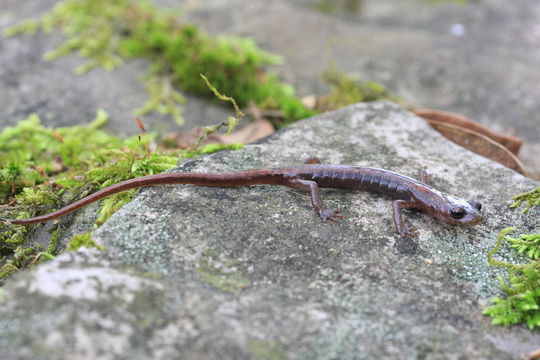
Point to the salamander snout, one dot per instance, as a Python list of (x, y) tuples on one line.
[(463, 212)]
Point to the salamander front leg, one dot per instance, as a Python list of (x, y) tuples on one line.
[(401, 229), (324, 213)]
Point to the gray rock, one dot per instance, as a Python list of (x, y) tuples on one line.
[(252, 273)]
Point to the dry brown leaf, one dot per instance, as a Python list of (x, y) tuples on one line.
[(187, 139), (479, 144), (533, 355), (250, 133), (512, 143)]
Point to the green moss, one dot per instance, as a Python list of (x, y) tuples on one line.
[(31, 156), (220, 271), (108, 33), (528, 244), (82, 240), (531, 198), (267, 350), (73, 156), (32, 153), (341, 7), (212, 148), (43, 168), (346, 90), (522, 302), (50, 252), (21, 258)]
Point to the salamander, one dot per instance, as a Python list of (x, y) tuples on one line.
[(312, 175)]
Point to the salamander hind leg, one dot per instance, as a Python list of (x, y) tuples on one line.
[(311, 186)]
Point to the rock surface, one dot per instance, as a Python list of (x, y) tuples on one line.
[(251, 273)]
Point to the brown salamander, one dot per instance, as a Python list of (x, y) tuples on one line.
[(406, 192)]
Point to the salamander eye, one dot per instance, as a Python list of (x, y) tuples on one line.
[(457, 212), (475, 204)]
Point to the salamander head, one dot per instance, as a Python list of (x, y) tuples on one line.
[(461, 212)]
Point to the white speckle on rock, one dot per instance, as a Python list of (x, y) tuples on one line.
[(90, 283), (457, 29), (357, 118)]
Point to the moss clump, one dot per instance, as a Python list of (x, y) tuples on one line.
[(212, 148), (82, 240), (522, 303), (43, 168), (60, 161), (346, 90), (528, 244), (220, 271), (23, 257), (109, 32), (85, 159), (531, 198), (31, 153)]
